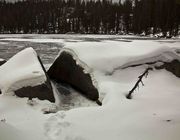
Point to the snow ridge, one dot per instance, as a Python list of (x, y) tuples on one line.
[(157, 58)]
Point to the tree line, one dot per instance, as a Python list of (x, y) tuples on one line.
[(92, 17)]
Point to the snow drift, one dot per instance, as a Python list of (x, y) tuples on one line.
[(70, 69), (25, 76)]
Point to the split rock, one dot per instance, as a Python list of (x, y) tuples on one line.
[(25, 76), (69, 69)]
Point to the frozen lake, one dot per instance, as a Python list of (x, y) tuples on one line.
[(48, 46)]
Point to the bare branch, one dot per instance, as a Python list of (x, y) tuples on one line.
[(145, 74)]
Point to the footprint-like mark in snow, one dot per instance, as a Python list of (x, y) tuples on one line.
[(55, 125), (57, 128)]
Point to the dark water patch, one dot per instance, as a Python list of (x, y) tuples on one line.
[(46, 51)]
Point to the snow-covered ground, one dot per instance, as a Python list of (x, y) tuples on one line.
[(152, 114)]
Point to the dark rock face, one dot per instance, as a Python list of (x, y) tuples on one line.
[(2, 62), (65, 69), (42, 92), (173, 67)]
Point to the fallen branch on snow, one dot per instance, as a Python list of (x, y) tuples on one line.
[(129, 96)]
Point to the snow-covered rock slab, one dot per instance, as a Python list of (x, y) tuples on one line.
[(70, 69), (109, 56), (25, 76)]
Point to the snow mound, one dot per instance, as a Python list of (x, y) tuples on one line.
[(21, 70)]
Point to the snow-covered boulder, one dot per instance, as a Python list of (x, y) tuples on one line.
[(70, 69), (2, 61), (108, 57), (25, 76)]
